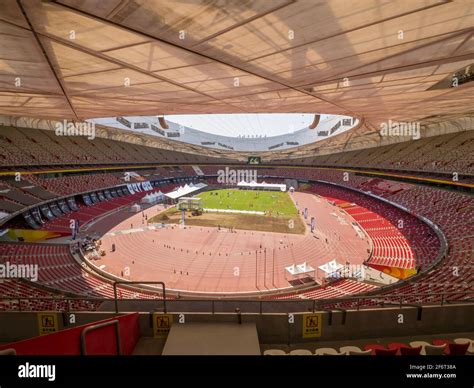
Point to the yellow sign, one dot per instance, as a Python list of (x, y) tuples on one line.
[(47, 323), (162, 324), (312, 325)]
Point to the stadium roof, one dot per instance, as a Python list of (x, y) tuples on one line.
[(370, 59)]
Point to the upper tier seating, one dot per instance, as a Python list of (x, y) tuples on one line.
[(32, 147), (446, 153)]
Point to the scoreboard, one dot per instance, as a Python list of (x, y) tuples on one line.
[(254, 160)]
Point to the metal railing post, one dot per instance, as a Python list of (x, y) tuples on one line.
[(115, 298), (239, 315), (84, 332)]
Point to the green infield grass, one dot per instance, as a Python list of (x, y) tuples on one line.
[(280, 214), (270, 202)]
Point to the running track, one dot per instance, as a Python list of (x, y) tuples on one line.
[(205, 260)]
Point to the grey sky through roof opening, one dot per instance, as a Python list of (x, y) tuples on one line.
[(253, 124), (236, 132)]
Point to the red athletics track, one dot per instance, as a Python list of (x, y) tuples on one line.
[(208, 260)]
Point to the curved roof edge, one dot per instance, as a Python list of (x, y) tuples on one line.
[(332, 125)]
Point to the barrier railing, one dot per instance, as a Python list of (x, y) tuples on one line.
[(213, 306), (138, 282)]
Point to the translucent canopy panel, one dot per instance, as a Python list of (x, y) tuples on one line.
[(375, 60)]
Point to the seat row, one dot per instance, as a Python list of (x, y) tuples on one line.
[(458, 347)]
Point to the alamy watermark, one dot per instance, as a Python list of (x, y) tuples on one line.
[(401, 128), (230, 176), (13, 271), (30, 371), (66, 128)]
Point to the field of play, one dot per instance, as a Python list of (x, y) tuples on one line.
[(270, 202), (280, 214), (202, 257)]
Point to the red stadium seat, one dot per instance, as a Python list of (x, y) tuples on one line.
[(457, 349), (385, 352), (405, 351)]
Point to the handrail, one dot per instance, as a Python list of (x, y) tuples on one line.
[(88, 329), (315, 304), (327, 300), (138, 282), (8, 352)]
